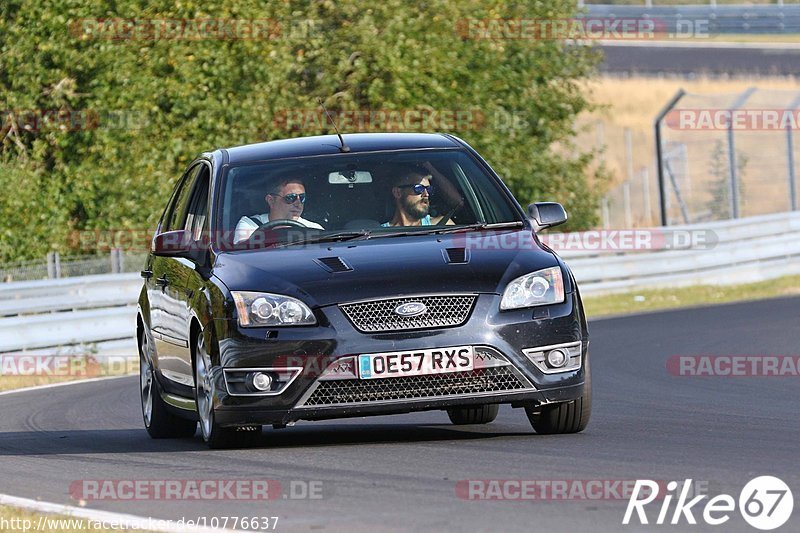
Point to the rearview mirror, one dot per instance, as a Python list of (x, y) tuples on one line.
[(348, 177), (547, 214)]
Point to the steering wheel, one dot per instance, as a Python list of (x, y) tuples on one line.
[(280, 223)]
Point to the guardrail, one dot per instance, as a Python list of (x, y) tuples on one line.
[(97, 313), (716, 19), (743, 250), (87, 313)]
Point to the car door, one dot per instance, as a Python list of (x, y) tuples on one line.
[(188, 281), (166, 292)]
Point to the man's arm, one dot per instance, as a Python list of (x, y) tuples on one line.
[(309, 224), (452, 199)]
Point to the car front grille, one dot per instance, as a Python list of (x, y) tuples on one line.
[(379, 315), (355, 391)]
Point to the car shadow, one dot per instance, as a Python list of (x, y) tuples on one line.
[(65, 442)]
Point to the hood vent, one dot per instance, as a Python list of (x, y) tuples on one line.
[(334, 264), (456, 255)]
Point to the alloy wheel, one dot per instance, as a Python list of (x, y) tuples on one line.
[(205, 391), (146, 379)]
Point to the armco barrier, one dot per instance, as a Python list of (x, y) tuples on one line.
[(84, 313), (746, 250), (99, 311), (742, 230), (717, 19)]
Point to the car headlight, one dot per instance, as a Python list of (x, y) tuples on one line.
[(542, 287), (265, 309)]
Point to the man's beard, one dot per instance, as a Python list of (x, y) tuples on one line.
[(415, 210)]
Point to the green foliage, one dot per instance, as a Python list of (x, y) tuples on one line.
[(720, 186), (157, 103)]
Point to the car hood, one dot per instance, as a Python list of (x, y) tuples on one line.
[(329, 273)]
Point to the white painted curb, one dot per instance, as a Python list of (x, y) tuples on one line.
[(120, 521)]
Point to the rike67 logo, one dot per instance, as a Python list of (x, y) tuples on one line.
[(766, 503)]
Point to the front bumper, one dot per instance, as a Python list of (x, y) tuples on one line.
[(507, 375)]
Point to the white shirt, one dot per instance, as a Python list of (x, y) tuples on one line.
[(246, 226)]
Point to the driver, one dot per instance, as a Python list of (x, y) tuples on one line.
[(285, 202), (412, 200)]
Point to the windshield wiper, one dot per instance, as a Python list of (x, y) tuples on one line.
[(480, 226), (329, 237), (440, 230), (368, 234)]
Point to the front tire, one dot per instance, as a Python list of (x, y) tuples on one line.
[(158, 420), (566, 417), (214, 435), (481, 414)]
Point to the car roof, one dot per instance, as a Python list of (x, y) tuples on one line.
[(329, 144)]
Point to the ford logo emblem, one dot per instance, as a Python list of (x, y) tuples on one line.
[(411, 309)]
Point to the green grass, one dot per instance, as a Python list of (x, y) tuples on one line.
[(656, 299), (13, 519), (82, 368)]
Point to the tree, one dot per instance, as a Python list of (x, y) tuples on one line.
[(138, 110)]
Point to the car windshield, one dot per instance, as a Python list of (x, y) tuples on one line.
[(354, 196)]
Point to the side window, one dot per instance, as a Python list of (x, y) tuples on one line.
[(197, 218), (178, 211)]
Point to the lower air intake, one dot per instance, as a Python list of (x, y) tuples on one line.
[(495, 379)]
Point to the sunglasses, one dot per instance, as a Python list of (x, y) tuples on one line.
[(418, 188), (292, 197)]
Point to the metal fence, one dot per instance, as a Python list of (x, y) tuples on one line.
[(728, 156), (723, 156), (633, 201), (54, 266)]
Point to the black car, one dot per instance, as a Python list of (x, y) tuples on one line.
[(370, 274)]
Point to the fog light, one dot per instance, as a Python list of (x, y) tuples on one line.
[(556, 358), (259, 381)]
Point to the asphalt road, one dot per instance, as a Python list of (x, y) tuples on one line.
[(400, 473), (696, 59)]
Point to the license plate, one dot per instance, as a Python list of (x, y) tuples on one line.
[(415, 362)]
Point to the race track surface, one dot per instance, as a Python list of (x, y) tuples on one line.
[(696, 59), (400, 473)]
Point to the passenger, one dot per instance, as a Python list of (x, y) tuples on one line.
[(412, 200), (285, 201)]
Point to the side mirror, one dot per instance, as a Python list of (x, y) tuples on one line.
[(178, 243), (547, 214)]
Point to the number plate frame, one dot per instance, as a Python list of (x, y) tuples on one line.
[(408, 363)]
